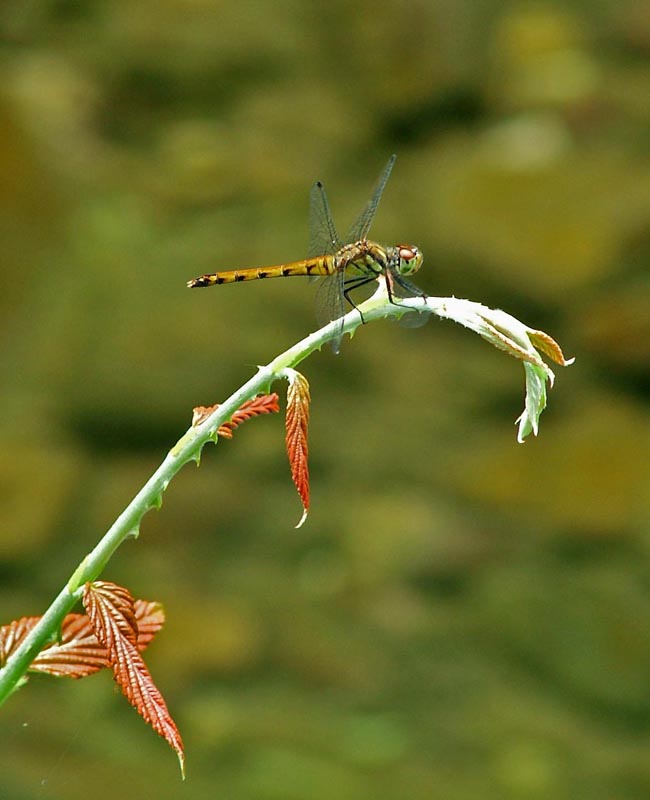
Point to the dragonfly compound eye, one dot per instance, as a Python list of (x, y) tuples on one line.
[(410, 259)]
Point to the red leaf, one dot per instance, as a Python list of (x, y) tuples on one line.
[(542, 341), (111, 610), (296, 423), (77, 655), (78, 652), (150, 616), (11, 636), (262, 404)]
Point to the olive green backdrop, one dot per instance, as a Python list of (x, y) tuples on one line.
[(461, 617)]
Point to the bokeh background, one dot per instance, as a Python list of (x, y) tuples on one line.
[(461, 617)]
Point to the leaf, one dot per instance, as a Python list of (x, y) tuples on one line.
[(262, 404), (296, 424), (150, 616), (78, 653), (111, 610), (528, 421), (11, 636), (547, 345), (514, 337)]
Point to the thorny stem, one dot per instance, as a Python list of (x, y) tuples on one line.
[(189, 446)]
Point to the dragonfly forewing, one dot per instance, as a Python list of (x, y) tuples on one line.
[(323, 238), (362, 225)]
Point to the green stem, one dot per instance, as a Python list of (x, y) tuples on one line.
[(188, 448), (498, 328)]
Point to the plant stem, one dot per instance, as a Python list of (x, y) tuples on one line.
[(500, 329), (188, 448)]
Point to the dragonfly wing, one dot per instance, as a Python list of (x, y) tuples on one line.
[(323, 238), (413, 319), (330, 304), (361, 227)]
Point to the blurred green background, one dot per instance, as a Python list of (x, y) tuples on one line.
[(461, 617)]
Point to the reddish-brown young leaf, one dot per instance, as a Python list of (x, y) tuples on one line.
[(262, 404), (296, 424), (11, 636), (542, 341), (150, 616), (76, 655), (112, 614), (78, 652)]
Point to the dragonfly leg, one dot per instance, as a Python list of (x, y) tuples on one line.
[(406, 285), (355, 283)]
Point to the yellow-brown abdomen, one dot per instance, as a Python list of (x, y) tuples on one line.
[(324, 265)]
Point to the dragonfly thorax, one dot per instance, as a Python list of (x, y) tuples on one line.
[(406, 258), (361, 258)]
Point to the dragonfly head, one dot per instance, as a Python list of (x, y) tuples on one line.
[(409, 259)]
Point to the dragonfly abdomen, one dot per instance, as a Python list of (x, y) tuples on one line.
[(312, 266)]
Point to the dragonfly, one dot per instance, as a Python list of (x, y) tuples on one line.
[(342, 265)]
